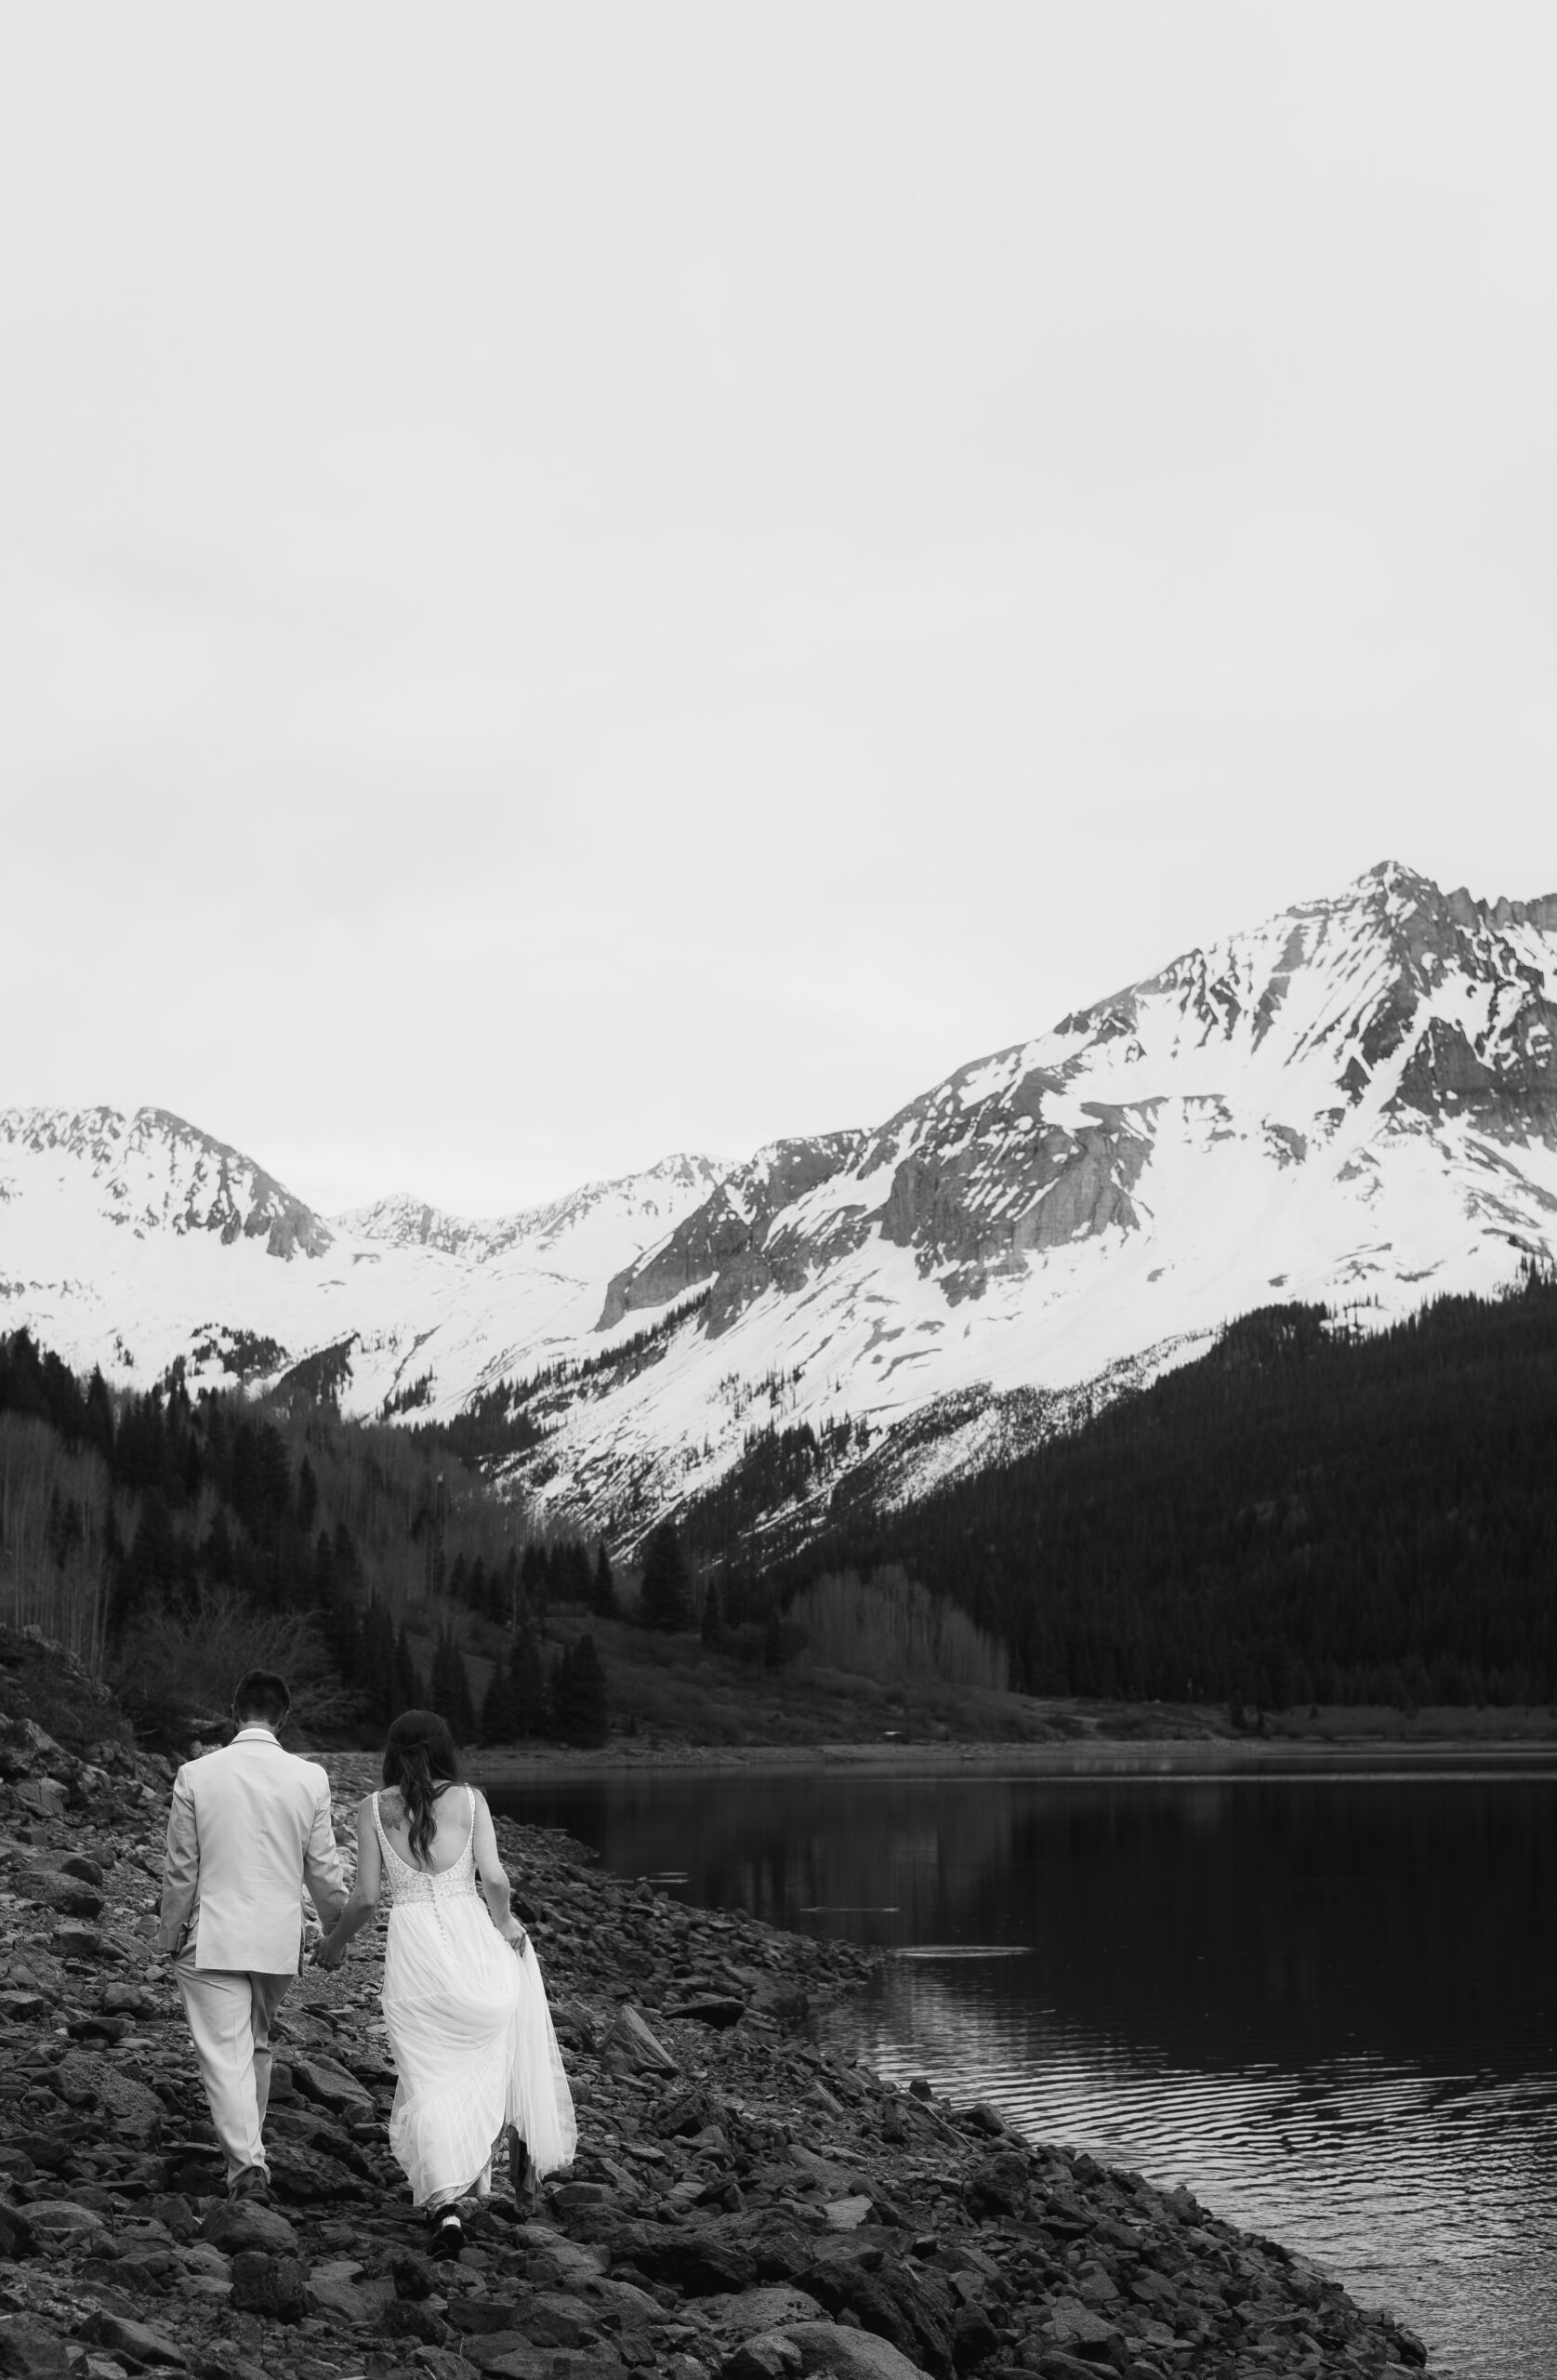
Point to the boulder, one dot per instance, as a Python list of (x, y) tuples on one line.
[(239, 2225), (633, 2041), (329, 2085), (484, 2318), (843, 2285), (26, 1750), (407, 2318), (768, 2354), (848, 2355), (1078, 2329), (975, 2338), (137, 2342), (132, 2108), (74, 1939), (700, 2259), (17, 2237), (28, 2350), (49, 1888), (304, 2173), (59, 2223), (413, 2276), (715, 2008), (275, 2287), (998, 2186), (768, 2309), (438, 2363)]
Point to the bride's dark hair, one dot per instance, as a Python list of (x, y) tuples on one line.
[(419, 1759)]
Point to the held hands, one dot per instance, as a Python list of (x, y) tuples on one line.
[(329, 1954)]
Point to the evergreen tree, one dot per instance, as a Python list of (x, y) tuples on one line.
[(711, 1624), (572, 1576), (499, 1714), (502, 1590), (98, 1422), (152, 1573), (449, 1687), (410, 1687), (535, 1576), (602, 1587), (349, 1569), (377, 1675), (579, 1713), (307, 1496), (664, 1599), (527, 1678)]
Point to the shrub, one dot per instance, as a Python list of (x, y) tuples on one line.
[(182, 1660)]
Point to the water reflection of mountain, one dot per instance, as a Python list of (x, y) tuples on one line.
[(1240, 1918)]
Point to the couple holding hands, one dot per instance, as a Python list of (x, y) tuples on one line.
[(463, 2003)]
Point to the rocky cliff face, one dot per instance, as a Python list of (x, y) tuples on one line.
[(732, 1239)]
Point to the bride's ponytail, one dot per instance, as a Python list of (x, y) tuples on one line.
[(419, 1758)]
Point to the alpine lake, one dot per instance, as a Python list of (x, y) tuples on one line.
[(1322, 1993)]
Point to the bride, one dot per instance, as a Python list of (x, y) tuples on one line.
[(463, 1997)]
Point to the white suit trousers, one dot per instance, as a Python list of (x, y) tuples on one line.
[(229, 2016)]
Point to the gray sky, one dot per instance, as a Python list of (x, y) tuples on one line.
[(577, 581)]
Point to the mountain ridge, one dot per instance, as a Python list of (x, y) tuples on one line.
[(1353, 1102)]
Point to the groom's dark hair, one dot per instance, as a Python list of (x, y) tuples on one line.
[(260, 1694)]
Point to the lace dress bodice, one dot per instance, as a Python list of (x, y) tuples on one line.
[(406, 1883)]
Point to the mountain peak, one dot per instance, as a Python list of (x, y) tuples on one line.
[(661, 1195), (152, 1171)]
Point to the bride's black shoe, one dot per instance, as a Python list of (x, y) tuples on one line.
[(448, 2238)]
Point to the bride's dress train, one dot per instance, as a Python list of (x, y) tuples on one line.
[(470, 2030)]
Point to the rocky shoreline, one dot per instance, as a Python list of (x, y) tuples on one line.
[(744, 2206)]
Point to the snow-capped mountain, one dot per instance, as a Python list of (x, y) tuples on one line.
[(131, 1241), (1354, 1103)]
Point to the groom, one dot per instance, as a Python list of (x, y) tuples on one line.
[(248, 1828)]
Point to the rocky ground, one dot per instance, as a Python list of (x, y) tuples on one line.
[(742, 2205)]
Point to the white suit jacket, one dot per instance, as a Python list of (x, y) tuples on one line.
[(248, 1828)]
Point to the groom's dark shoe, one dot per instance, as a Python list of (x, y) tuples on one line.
[(253, 2181)]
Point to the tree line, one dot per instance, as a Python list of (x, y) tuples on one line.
[(1304, 1515)]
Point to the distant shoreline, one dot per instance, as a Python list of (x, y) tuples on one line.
[(1124, 1761)]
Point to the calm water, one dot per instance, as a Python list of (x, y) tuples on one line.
[(1327, 2003)]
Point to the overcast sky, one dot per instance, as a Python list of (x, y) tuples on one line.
[(584, 580)]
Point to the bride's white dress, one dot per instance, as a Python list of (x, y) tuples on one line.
[(470, 2030)]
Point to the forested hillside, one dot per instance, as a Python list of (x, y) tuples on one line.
[(169, 1541), (1301, 1515)]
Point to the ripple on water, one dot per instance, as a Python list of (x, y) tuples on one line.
[(1380, 2172)]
